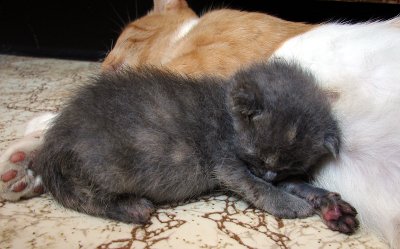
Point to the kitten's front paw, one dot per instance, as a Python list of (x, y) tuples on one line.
[(337, 214), (291, 207), (17, 180)]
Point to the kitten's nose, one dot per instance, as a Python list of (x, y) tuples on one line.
[(270, 176)]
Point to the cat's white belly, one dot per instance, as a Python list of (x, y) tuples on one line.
[(362, 64)]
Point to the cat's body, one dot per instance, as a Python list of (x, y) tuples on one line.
[(142, 137)]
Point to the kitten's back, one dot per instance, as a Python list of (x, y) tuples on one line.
[(121, 127)]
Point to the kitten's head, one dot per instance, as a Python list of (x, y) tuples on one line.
[(147, 39), (283, 121)]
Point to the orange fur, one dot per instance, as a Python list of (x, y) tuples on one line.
[(221, 42), (146, 40)]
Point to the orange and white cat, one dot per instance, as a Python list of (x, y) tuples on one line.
[(359, 65)]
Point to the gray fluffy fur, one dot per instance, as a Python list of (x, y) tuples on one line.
[(143, 137)]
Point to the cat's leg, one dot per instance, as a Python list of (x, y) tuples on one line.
[(337, 214), (130, 210), (236, 177), (17, 180)]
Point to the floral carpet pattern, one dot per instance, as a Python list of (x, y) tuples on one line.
[(30, 86)]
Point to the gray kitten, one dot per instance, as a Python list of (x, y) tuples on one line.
[(143, 137)]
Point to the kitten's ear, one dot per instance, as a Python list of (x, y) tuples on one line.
[(167, 5), (332, 144), (245, 100)]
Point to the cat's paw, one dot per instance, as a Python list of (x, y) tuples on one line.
[(291, 207), (337, 214), (17, 180)]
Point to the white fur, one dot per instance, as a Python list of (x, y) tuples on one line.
[(362, 63), (184, 29), (39, 123), (179, 34)]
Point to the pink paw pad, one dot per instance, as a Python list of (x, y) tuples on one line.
[(17, 157), (332, 214), (38, 189), (9, 175), (19, 187)]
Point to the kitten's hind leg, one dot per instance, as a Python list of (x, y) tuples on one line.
[(130, 210), (235, 176), (337, 214)]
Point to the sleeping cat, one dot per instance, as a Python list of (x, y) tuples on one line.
[(138, 138), (366, 172)]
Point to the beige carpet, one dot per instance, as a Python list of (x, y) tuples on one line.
[(29, 86)]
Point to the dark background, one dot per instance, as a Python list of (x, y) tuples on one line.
[(85, 29)]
